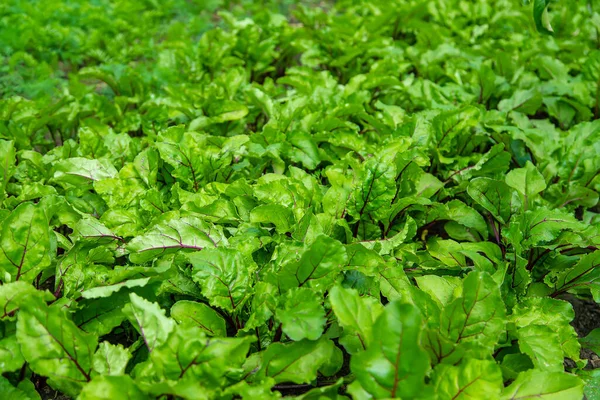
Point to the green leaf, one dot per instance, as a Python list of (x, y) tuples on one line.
[(393, 281), (356, 315), (525, 101), (592, 384), (301, 314), (93, 230), (7, 165), (539, 11), (394, 365), (527, 181), (544, 225), (592, 341), (317, 267), (149, 320), (537, 342), (110, 359), (458, 211), (79, 171), (452, 124), (108, 290), (187, 233), (54, 347), (106, 387), (494, 196), (189, 362), (296, 362), (376, 188), (478, 315), (531, 315), (470, 379), (11, 358), (263, 304), (534, 384), (190, 313), (441, 288), (15, 294), (276, 214), (326, 392), (9, 392), (224, 276), (261, 390), (101, 315), (584, 274), (25, 243), (304, 150)]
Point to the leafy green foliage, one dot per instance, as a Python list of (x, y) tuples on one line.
[(241, 199)]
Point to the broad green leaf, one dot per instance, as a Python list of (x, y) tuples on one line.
[(393, 281), (543, 311), (92, 229), (375, 189), (394, 365), (14, 295), (451, 124), (101, 315), (110, 359), (296, 362), (190, 313), (263, 304), (317, 267), (79, 171), (478, 315), (543, 225), (106, 387), (108, 290), (187, 233), (54, 347), (592, 384), (441, 288), (387, 246), (25, 243), (276, 214), (584, 274), (592, 340), (356, 315), (301, 314), (224, 276), (534, 384), (494, 196), (9, 392), (458, 211), (146, 165), (11, 358), (326, 392), (304, 150), (149, 320), (260, 390), (191, 361), (470, 379), (525, 101), (527, 181), (537, 341)]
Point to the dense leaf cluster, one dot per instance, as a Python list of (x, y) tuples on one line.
[(366, 199)]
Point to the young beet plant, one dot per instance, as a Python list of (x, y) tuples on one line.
[(364, 200)]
